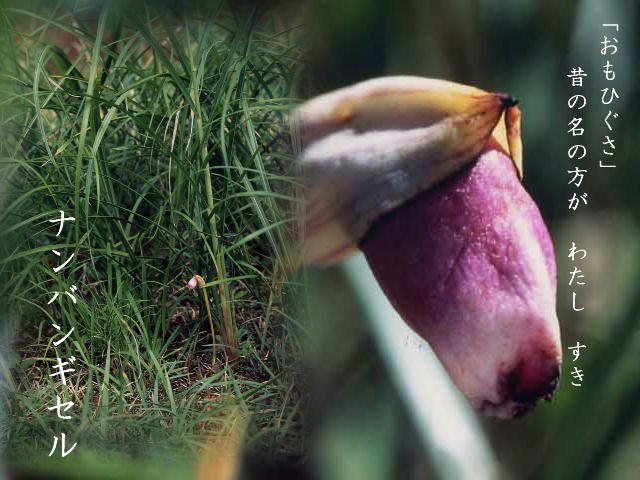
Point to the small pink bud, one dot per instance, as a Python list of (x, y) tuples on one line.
[(192, 283)]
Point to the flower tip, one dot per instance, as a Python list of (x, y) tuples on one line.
[(507, 100), (192, 283)]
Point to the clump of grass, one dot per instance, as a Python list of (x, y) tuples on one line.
[(164, 138)]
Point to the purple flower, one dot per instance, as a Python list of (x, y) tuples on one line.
[(470, 266), (424, 176), (193, 283)]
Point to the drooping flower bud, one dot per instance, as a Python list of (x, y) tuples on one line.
[(424, 176), (470, 266), (193, 283)]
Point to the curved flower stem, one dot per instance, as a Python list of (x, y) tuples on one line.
[(445, 422), (201, 284), (218, 251)]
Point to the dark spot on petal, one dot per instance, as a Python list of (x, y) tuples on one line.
[(534, 377)]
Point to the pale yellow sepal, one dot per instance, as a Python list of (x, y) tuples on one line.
[(372, 146)]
